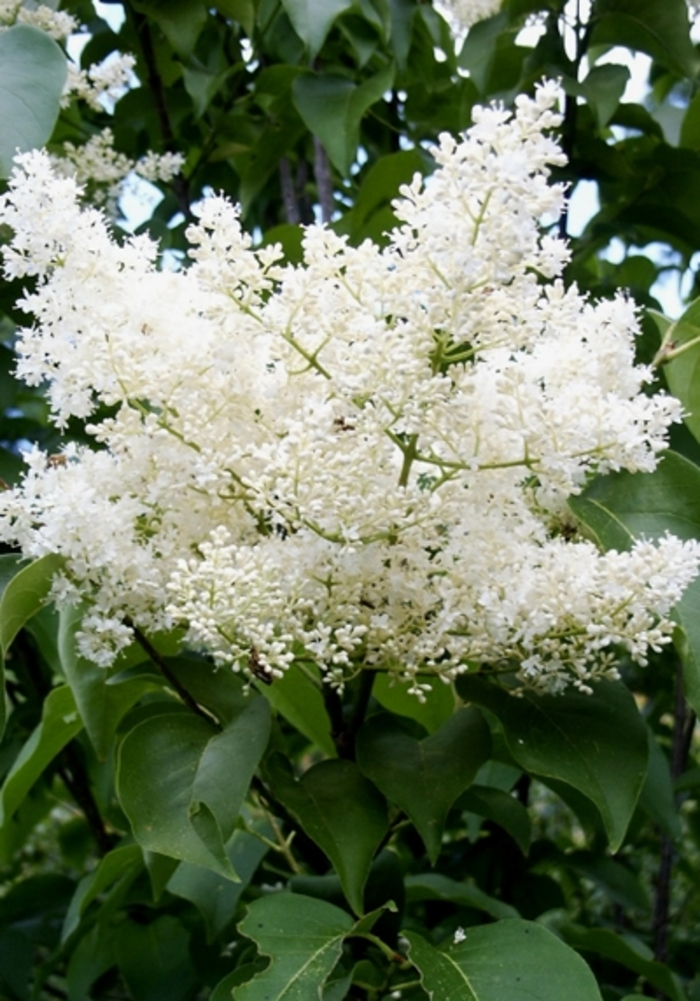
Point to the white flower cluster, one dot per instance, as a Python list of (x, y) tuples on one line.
[(100, 83), (464, 13), (104, 173), (56, 23), (364, 459)]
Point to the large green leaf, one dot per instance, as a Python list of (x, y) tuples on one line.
[(10, 565), (298, 699), (424, 777), (504, 809), (332, 108), (435, 886), (239, 10), (629, 952), (303, 938), (341, 811), (623, 506), (120, 862), (432, 713), (680, 353), (154, 960), (32, 74), (60, 722), (574, 737), (181, 21), (313, 19), (26, 593), (215, 897), (101, 705), (181, 782), (659, 29), (514, 960)]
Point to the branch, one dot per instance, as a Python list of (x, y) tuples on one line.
[(75, 779), (157, 88), (684, 725), (170, 677), (291, 206), (324, 182)]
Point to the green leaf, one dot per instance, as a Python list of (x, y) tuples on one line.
[(436, 710), (101, 705), (690, 129), (480, 47), (214, 897), (32, 74), (27, 592), (332, 108), (619, 883), (181, 21), (513, 960), (435, 886), (313, 19), (681, 344), (657, 798), (10, 566), (181, 783), (303, 938), (504, 809), (119, 862), (659, 29), (341, 811), (623, 506), (424, 777), (94, 954), (627, 951), (60, 722), (155, 960), (574, 737), (298, 699), (242, 11), (603, 88)]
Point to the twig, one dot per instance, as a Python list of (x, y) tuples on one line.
[(170, 677), (74, 777)]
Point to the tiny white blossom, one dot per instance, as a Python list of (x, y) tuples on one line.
[(366, 456), (459, 936)]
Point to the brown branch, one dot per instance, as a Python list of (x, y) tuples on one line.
[(289, 197), (75, 779), (169, 676), (324, 181)]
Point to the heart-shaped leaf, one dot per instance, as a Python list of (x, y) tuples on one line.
[(181, 782), (304, 939), (514, 960), (574, 737), (424, 777), (341, 811)]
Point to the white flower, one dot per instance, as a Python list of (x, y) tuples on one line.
[(459, 936), (464, 13), (365, 457)]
